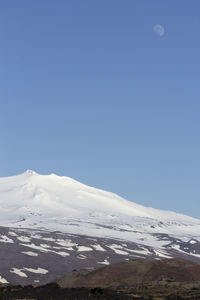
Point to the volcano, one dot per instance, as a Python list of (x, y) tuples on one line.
[(50, 225)]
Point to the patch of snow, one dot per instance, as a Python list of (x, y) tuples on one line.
[(18, 272), (83, 248), (48, 239), (33, 246), (36, 236), (66, 243), (98, 247), (162, 254), (45, 249), (36, 271), (3, 280), (59, 248), (45, 246), (117, 249), (24, 239), (5, 239), (12, 233), (105, 262), (142, 251), (192, 242), (82, 256), (64, 254), (30, 253)]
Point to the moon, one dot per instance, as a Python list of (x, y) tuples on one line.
[(159, 30)]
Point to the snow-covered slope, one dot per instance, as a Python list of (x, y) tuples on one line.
[(50, 225), (60, 203)]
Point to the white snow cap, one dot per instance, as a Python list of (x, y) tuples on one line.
[(54, 202)]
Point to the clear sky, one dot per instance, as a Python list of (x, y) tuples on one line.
[(94, 91)]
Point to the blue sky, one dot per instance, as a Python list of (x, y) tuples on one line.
[(90, 91)]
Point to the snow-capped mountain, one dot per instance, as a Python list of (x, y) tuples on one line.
[(52, 224)]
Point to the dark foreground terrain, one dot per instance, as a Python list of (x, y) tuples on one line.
[(54, 292), (173, 279)]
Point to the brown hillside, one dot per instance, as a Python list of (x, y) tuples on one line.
[(129, 273)]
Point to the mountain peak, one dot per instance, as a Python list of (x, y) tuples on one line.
[(30, 172)]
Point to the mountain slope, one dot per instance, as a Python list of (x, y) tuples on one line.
[(50, 225), (61, 203)]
